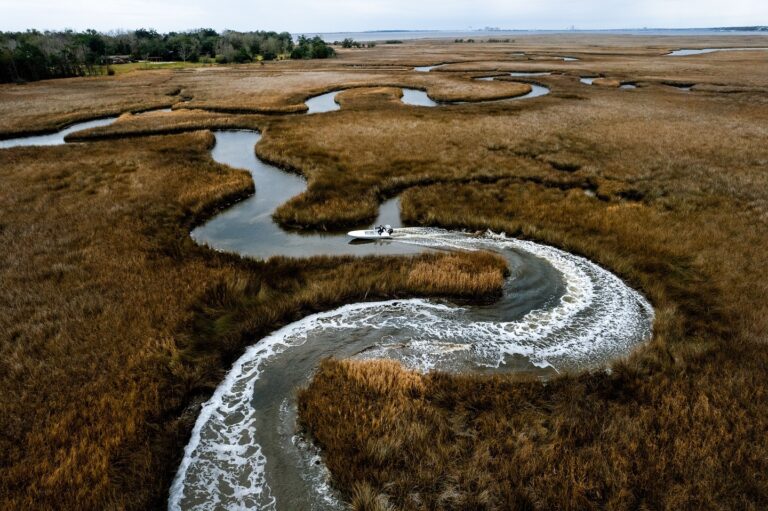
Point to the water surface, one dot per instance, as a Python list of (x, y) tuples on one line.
[(700, 51), (323, 103), (558, 311), (55, 138), (415, 97), (327, 102), (247, 227), (58, 137)]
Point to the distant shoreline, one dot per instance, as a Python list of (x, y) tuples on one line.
[(380, 35)]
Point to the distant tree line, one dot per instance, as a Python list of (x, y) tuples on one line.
[(34, 55), (351, 43), (314, 48)]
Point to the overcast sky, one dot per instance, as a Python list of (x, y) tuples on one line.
[(360, 15)]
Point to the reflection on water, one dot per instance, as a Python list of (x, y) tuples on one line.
[(327, 102), (536, 91), (247, 227), (58, 137), (417, 97), (323, 103), (558, 311), (55, 138)]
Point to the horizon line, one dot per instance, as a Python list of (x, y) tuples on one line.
[(743, 28)]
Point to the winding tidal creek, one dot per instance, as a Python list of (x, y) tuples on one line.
[(558, 311)]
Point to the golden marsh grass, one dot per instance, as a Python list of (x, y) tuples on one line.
[(115, 325)]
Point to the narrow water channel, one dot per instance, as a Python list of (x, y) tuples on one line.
[(687, 52), (58, 137), (327, 102), (55, 138), (247, 227), (558, 312)]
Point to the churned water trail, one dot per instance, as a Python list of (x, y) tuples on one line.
[(558, 311)]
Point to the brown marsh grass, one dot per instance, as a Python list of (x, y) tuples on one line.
[(678, 425), (606, 82), (52, 104), (114, 325), (281, 87), (668, 191)]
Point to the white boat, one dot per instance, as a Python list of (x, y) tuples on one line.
[(381, 232)]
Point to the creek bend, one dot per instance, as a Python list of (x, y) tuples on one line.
[(557, 312)]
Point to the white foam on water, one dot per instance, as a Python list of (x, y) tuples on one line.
[(597, 319), (221, 455)]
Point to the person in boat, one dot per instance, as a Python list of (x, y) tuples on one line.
[(389, 230), (380, 230)]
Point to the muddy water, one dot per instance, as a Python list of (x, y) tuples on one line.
[(558, 312)]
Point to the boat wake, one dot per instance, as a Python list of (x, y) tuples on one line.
[(558, 311)]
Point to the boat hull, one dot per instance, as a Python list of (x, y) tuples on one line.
[(369, 235)]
